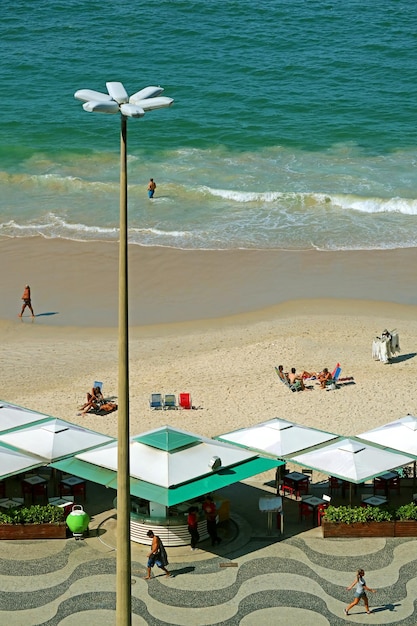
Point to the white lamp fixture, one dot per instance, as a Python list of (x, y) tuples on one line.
[(118, 101)]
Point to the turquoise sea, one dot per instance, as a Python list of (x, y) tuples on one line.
[(294, 124)]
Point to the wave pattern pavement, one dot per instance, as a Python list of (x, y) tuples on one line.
[(300, 580)]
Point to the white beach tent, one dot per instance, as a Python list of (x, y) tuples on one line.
[(170, 466), (277, 437), (352, 460), (53, 439), (13, 416), (400, 435)]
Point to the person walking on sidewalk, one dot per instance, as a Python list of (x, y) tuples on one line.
[(157, 555), (360, 592)]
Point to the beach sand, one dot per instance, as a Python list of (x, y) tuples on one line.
[(213, 324)]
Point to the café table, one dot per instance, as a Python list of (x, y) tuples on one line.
[(270, 505), (314, 502), (73, 484), (383, 482), (11, 503), (375, 500), (297, 482), (66, 503), (34, 485)]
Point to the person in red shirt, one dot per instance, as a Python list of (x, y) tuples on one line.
[(26, 301), (192, 521), (209, 509)]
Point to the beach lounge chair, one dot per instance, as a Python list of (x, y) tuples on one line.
[(287, 383), (184, 401), (332, 382), (155, 401), (170, 401)]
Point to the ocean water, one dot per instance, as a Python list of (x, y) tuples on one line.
[(294, 124)]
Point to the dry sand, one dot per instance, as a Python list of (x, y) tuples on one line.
[(221, 322)]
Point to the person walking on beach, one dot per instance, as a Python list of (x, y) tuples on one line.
[(27, 302), (157, 555), (210, 510), (360, 592), (151, 188), (192, 522)]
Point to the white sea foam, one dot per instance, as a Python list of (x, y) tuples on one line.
[(406, 206)]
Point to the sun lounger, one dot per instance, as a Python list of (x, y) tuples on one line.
[(184, 400), (155, 401), (170, 401), (287, 383), (332, 382)]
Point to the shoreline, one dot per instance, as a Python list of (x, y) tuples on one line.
[(76, 284)]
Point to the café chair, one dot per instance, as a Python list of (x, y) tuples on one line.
[(394, 484), (321, 509), (334, 484), (305, 511), (287, 490), (77, 490)]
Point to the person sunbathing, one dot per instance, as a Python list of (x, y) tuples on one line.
[(94, 401), (283, 375), (296, 379), (324, 377), (107, 407)]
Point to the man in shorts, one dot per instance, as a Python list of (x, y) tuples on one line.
[(27, 302), (157, 555), (151, 188)]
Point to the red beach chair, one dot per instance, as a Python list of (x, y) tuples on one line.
[(184, 401)]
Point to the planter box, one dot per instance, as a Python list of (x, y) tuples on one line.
[(33, 531), (359, 529), (406, 528)]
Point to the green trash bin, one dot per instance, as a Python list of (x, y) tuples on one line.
[(77, 521)]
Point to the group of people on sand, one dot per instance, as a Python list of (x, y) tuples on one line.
[(298, 379), (96, 403)]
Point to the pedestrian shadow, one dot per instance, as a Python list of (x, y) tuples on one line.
[(402, 357), (182, 570), (173, 572), (386, 607), (47, 313)]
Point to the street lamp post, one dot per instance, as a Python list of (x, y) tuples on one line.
[(118, 101)]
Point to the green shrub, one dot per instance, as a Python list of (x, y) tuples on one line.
[(349, 515), (407, 512), (36, 514)]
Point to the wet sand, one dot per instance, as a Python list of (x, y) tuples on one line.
[(75, 283)]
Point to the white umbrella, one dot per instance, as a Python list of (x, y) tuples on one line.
[(168, 457), (277, 437), (13, 416), (400, 435), (54, 439), (352, 460), (14, 462)]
